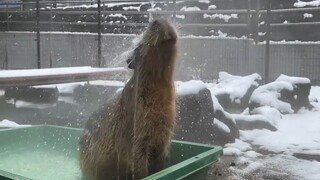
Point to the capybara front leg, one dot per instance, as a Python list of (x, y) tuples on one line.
[(141, 160), (157, 161)]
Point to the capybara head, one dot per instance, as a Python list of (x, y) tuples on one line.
[(158, 47)]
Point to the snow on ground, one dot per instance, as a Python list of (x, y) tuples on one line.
[(296, 133), (9, 124), (265, 154)]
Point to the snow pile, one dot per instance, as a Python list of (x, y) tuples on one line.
[(184, 8), (219, 34), (189, 87), (307, 15), (300, 4), (118, 15), (293, 80), (314, 95), (268, 94), (155, 9), (241, 149), (236, 86), (211, 7), (216, 104), (204, 1), (272, 115), (137, 8), (10, 124), (222, 126), (180, 16), (250, 118), (224, 17)]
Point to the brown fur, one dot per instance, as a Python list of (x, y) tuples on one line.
[(131, 135)]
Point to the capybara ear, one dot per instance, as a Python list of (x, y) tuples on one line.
[(134, 58)]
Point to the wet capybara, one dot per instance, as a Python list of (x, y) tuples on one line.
[(130, 137)]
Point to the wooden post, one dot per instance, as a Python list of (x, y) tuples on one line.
[(268, 33), (38, 35)]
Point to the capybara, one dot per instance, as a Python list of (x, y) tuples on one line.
[(129, 137)]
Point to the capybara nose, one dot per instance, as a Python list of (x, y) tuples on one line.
[(155, 23)]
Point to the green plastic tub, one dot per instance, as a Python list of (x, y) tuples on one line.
[(51, 152)]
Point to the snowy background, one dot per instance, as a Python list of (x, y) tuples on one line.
[(275, 141), (268, 131)]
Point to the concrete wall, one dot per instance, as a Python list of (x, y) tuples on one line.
[(201, 58)]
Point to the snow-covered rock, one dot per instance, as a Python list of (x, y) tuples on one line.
[(298, 98), (199, 110), (269, 95), (249, 122), (234, 90)]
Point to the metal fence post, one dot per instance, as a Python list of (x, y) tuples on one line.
[(50, 29), (267, 53), (248, 19), (256, 39), (174, 10), (7, 14), (99, 33), (38, 35), (54, 4), (6, 61)]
